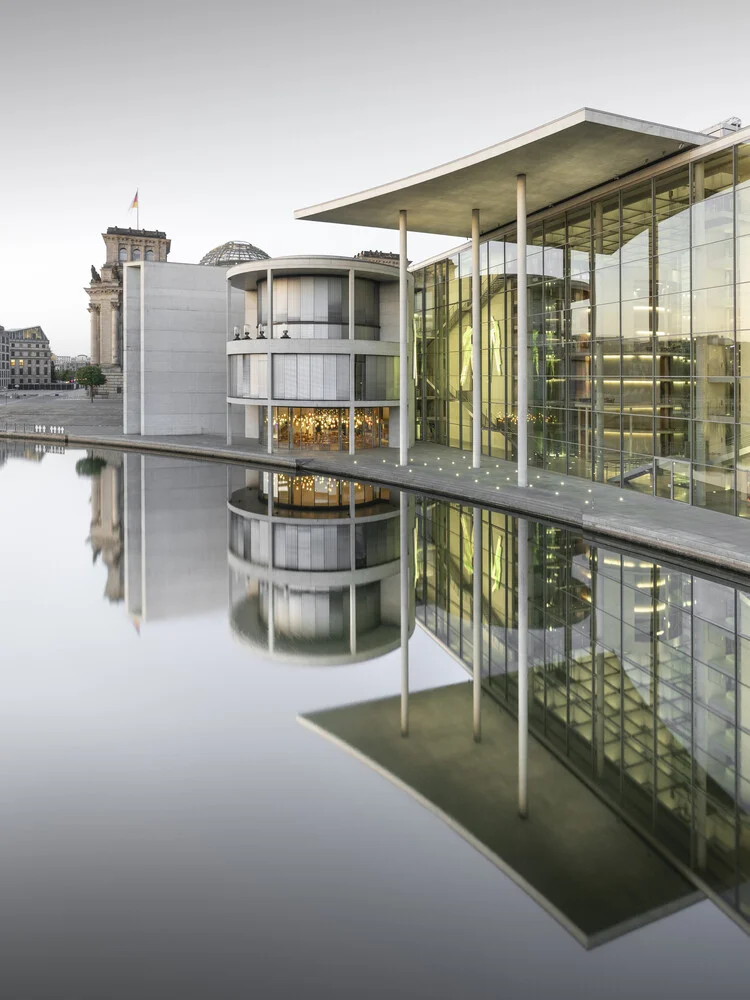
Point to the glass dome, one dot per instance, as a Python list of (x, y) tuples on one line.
[(234, 252)]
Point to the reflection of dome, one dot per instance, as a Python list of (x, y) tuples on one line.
[(234, 252)]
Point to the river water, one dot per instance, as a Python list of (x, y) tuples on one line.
[(205, 792)]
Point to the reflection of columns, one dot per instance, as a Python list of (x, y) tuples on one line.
[(115, 333), (271, 631), (269, 372), (477, 624), (95, 354), (523, 399), (96, 499), (403, 353), (523, 678), (352, 306), (353, 566), (597, 663), (476, 344), (229, 422), (405, 606)]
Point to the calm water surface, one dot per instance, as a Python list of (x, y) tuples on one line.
[(182, 815)]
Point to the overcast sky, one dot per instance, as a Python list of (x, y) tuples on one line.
[(228, 116)]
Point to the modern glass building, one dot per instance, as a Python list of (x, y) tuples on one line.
[(315, 365), (630, 363), (638, 335)]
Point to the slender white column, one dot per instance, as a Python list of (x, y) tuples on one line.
[(523, 678), (403, 342), (352, 305), (523, 398), (269, 372), (476, 344), (477, 625), (227, 338), (405, 571)]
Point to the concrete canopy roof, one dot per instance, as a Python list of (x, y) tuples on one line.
[(561, 159)]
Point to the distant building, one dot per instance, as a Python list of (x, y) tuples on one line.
[(378, 257), (30, 358), (105, 295), (4, 359), (232, 253), (70, 362)]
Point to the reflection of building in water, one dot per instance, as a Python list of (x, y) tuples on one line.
[(577, 860), (175, 537), (107, 499), (638, 675), (25, 451), (316, 565)]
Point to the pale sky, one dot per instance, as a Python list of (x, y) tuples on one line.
[(229, 116)]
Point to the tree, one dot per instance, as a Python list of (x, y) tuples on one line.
[(92, 465), (90, 376)]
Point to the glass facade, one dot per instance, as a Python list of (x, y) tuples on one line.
[(638, 317), (637, 673), (326, 428), (316, 307)]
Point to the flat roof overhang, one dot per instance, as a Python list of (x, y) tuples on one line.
[(561, 159), (246, 276)]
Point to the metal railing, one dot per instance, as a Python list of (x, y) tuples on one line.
[(27, 429)]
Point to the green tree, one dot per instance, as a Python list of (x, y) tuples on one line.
[(64, 375), (92, 465), (90, 376)]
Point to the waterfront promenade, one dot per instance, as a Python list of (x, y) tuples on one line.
[(604, 511)]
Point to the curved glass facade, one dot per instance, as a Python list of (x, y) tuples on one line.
[(320, 428), (316, 307), (638, 338)]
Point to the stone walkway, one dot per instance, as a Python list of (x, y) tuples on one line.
[(596, 509)]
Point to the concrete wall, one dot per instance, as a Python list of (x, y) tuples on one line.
[(389, 310), (131, 352), (182, 347)]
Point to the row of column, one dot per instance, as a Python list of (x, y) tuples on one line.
[(95, 313), (476, 328)]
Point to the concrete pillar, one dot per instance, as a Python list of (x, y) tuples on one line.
[(269, 373), (476, 344), (477, 625), (405, 606), (523, 677), (403, 343), (352, 305), (95, 340), (597, 414), (523, 398)]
